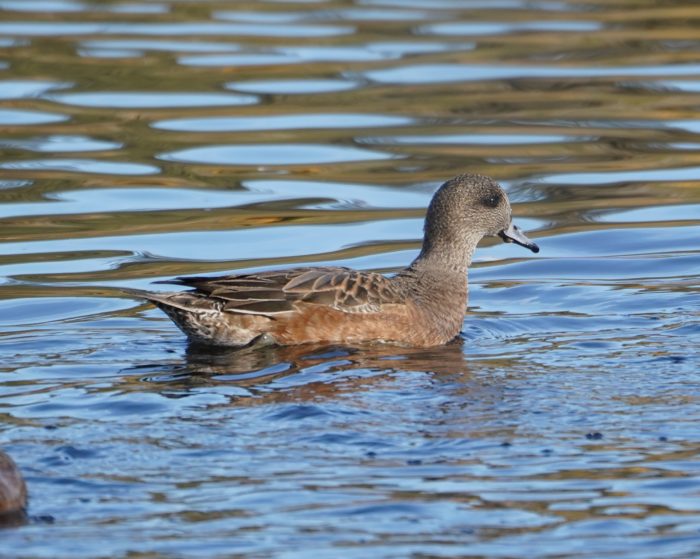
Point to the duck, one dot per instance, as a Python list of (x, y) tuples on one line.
[(13, 489), (422, 305)]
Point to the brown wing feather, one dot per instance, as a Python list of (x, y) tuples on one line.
[(271, 293), (348, 291)]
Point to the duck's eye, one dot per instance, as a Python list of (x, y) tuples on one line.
[(491, 200)]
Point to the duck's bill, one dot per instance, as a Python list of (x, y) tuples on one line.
[(514, 235)]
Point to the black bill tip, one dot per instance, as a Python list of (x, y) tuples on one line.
[(514, 235)]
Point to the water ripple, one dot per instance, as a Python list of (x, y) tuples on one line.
[(60, 144), (446, 73), (608, 177), (273, 154), (461, 29), (48, 29), (18, 117), (281, 122), (158, 45), (82, 166), (475, 139), (294, 86), (22, 89), (151, 100), (59, 6)]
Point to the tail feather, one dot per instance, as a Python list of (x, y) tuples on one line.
[(184, 300), (203, 319)]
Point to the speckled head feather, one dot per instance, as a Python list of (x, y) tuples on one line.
[(463, 211)]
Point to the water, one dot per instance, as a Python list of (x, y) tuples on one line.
[(143, 140)]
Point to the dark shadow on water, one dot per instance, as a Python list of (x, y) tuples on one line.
[(13, 519)]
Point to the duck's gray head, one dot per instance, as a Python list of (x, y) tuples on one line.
[(464, 210)]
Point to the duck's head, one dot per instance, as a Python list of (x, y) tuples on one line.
[(467, 208)]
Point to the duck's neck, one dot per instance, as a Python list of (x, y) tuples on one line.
[(438, 275), (436, 282), (445, 257)]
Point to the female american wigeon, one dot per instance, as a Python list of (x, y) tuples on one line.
[(422, 305)]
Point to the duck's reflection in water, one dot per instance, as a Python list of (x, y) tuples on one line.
[(269, 367)]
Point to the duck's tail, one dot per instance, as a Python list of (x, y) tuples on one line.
[(183, 300), (202, 318)]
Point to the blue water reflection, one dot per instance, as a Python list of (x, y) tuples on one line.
[(145, 100), (19, 117), (48, 29), (20, 89), (281, 122), (294, 86), (82, 166), (446, 73), (273, 154), (60, 144)]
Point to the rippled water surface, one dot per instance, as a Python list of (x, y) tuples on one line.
[(142, 140)]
